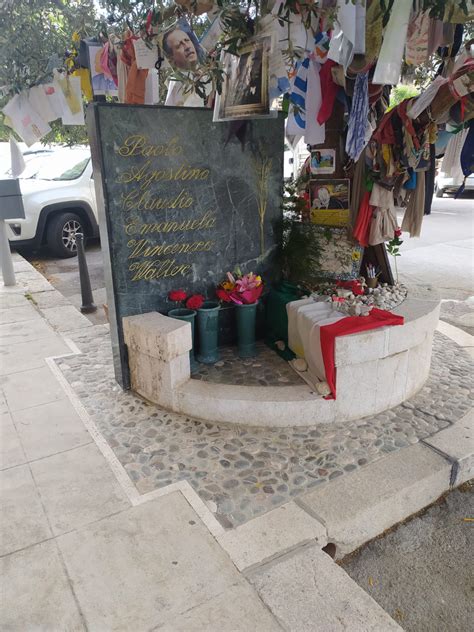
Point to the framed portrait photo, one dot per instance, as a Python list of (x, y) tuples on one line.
[(181, 46), (245, 91), (330, 202), (323, 161)]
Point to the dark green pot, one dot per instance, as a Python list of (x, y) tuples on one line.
[(246, 319), (189, 315), (208, 329)]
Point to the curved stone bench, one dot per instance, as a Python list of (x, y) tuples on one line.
[(376, 370)]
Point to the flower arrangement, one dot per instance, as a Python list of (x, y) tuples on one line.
[(194, 301), (241, 289)]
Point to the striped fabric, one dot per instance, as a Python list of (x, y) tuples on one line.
[(296, 124)]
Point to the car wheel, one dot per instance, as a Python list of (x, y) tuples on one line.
[(439, 192), (61, 234)]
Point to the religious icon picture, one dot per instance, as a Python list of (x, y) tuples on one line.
[(245, 89), (323, 161), (101, 77), (181, 46), (330, 202)]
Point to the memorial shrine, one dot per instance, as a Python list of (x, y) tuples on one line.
[(233, 295)]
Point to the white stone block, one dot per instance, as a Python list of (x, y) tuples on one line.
[(156, 335), (308, 592), (158, 380), (391, 380), (255, 405), (363, 347), (359, 506), (270, 535), (355, 390), (458, 443), (418, 368), (421, 319)]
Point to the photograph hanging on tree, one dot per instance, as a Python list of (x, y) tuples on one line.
[(330, 202), (245, 89), (101, 77), (323, 161), (181, 46)]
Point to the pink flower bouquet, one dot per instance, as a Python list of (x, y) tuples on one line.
[(241, 289)]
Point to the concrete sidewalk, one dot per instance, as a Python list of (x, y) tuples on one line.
[(81, 549)]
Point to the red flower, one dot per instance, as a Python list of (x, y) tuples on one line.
[(177, 295), (195, 301), (398, 232), (222, 295)]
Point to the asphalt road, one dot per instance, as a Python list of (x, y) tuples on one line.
[(422, 573)]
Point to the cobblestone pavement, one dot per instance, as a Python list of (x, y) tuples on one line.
[(242, 472), (266, 369)]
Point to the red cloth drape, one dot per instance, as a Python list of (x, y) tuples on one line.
[(350, 325), (364, 220), (328, 89)]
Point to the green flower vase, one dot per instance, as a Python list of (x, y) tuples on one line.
[(208, 329), (246, 319), (188, 315)]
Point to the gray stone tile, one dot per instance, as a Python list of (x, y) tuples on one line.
[(30, 355), (66, 318), (31, 388), (14, 299), (144, 566), (23, 520), (77, 487), (307, 591), (50, 428), (36, 594), (238, 609), (11, 451), (19, 314), (15, 333), (53, 298)]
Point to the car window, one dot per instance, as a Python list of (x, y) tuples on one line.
[(62, 165)]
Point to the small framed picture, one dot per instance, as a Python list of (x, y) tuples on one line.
[(330, 202), (245, 89), (323, 161)]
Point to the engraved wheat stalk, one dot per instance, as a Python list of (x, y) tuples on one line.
[(262, 171)]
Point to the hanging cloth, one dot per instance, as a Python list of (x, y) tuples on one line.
[(355, 141), (315, 134), (387, 70), (451, 165), (413, 217), (135, 88), (384, 221), (364, 220), (358, 188), (329, 89), (416, 50), (467, 157), (296, 122), (425, 99)]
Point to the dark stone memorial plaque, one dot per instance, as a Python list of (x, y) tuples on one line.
[(181, 202)]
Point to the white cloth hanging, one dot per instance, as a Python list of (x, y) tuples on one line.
[(389, 63), (315, 134), (26, 122), (425, 99), (16, 157), (451, 165)]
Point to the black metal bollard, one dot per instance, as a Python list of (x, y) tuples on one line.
[(87, 306)]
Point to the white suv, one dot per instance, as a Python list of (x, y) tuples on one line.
[(59, 200)]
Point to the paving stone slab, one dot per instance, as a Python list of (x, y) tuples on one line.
[(308, 592), (65, 318), (77, 487), (50, 428), (145, 566), (271, 534), (238, 609), (10, 300), (26, 331), (364, 504), (457, 442), (31, 388), (11, 451), (45, 300), (36, 594), (23, 520), (30, 355), (18, 314)]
